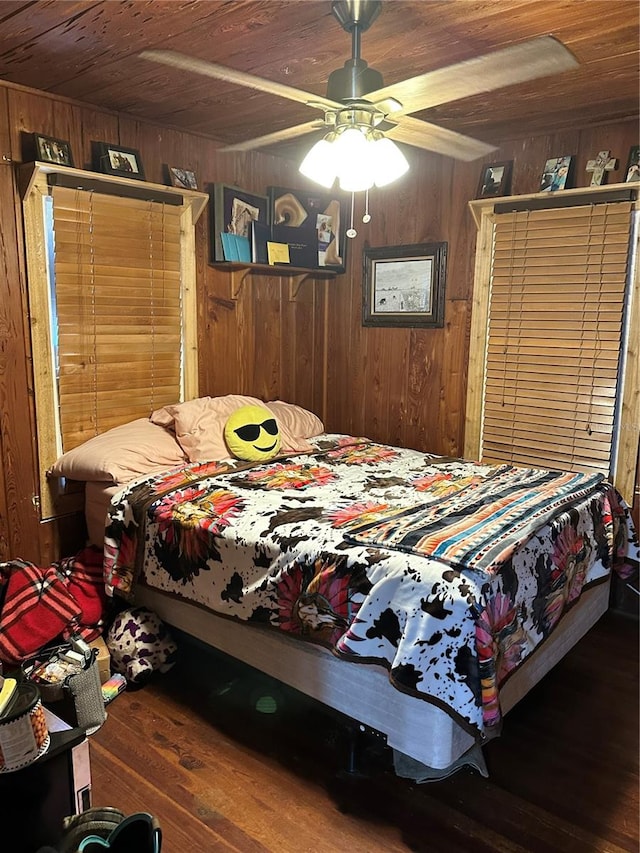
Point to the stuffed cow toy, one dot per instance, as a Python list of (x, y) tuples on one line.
[(140, 644)]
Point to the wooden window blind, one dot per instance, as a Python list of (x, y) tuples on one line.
[(117, 312), (555, 333)]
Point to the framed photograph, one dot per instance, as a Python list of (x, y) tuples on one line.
[(633, 164), (47, 149), (404, 285), (495, 179), (234, 210), (313, 224), (556, 174), (183, 178), (116, 160)]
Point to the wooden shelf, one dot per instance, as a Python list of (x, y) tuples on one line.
[(240, 270), (32, 174), (481, 205)]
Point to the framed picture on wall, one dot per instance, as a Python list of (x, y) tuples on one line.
[(404, 285), (234, 209), (116, 160), (495, 179)]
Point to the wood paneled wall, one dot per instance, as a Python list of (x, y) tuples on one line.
[(305, 345)]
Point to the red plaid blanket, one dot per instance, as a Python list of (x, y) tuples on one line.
[(37, 605)]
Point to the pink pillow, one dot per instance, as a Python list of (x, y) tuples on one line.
[(298, 421), (121, 454), (199, 426)]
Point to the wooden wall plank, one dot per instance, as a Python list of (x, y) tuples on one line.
[(19, 529)]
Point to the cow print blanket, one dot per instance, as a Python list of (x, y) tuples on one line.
[(273, 544)]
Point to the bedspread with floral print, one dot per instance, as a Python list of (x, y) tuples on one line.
[(269, 544)]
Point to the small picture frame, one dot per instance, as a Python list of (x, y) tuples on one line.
[(556, 174), (495, 179), (48, 149), (633, 164), (184, 179), (404, 285), (116, 160), (234, 209)]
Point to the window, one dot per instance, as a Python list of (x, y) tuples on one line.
[(112, 305), (117, 318), (554, 376)]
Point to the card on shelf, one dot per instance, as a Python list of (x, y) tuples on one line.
[(278, 253)]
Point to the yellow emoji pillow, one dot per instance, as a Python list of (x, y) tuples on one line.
[(252, 434)]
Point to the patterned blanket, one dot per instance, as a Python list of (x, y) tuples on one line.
[(476, 520), (276, 544)]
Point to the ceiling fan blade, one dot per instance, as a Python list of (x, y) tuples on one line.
[(277, 136), (431, 137), (517, 63), (174, 59)]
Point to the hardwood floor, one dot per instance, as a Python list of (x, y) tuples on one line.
[(222, 777)]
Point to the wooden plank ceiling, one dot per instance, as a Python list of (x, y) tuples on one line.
[(89, 51)]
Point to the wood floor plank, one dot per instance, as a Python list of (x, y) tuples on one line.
[(221, 777)]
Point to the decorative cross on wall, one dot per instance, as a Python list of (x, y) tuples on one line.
[(600, 166)]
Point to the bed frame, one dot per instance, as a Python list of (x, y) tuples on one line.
[(412, 726)]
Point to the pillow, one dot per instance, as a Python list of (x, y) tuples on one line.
[(199, 426), (252, 434), (121, 454), (298, 421)]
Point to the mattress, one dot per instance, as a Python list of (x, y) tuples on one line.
[(97, 502)]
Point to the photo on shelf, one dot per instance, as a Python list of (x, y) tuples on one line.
[(116, 160), (633, 164), (495, 179), (48, 149), (234, 209), (182, 178), (557, 174)]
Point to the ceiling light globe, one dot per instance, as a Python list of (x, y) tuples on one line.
[(354, 155), (320, 164), (390, 162)]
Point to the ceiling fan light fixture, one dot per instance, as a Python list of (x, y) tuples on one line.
[(358, 156), (389, 161), (320, 164)]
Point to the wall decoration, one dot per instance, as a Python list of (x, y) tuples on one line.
[(234, 210), (312, 223), (116, 160), (556, 174), (404, 285), (495, 179), (183, 178), (599, 166), (633, 164), (47, 149)]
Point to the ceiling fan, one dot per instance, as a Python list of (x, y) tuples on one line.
[(357, 87)]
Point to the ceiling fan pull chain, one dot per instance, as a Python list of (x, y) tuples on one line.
[(351, 231), (367, 217)]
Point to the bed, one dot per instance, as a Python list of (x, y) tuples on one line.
[(421, 596)]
